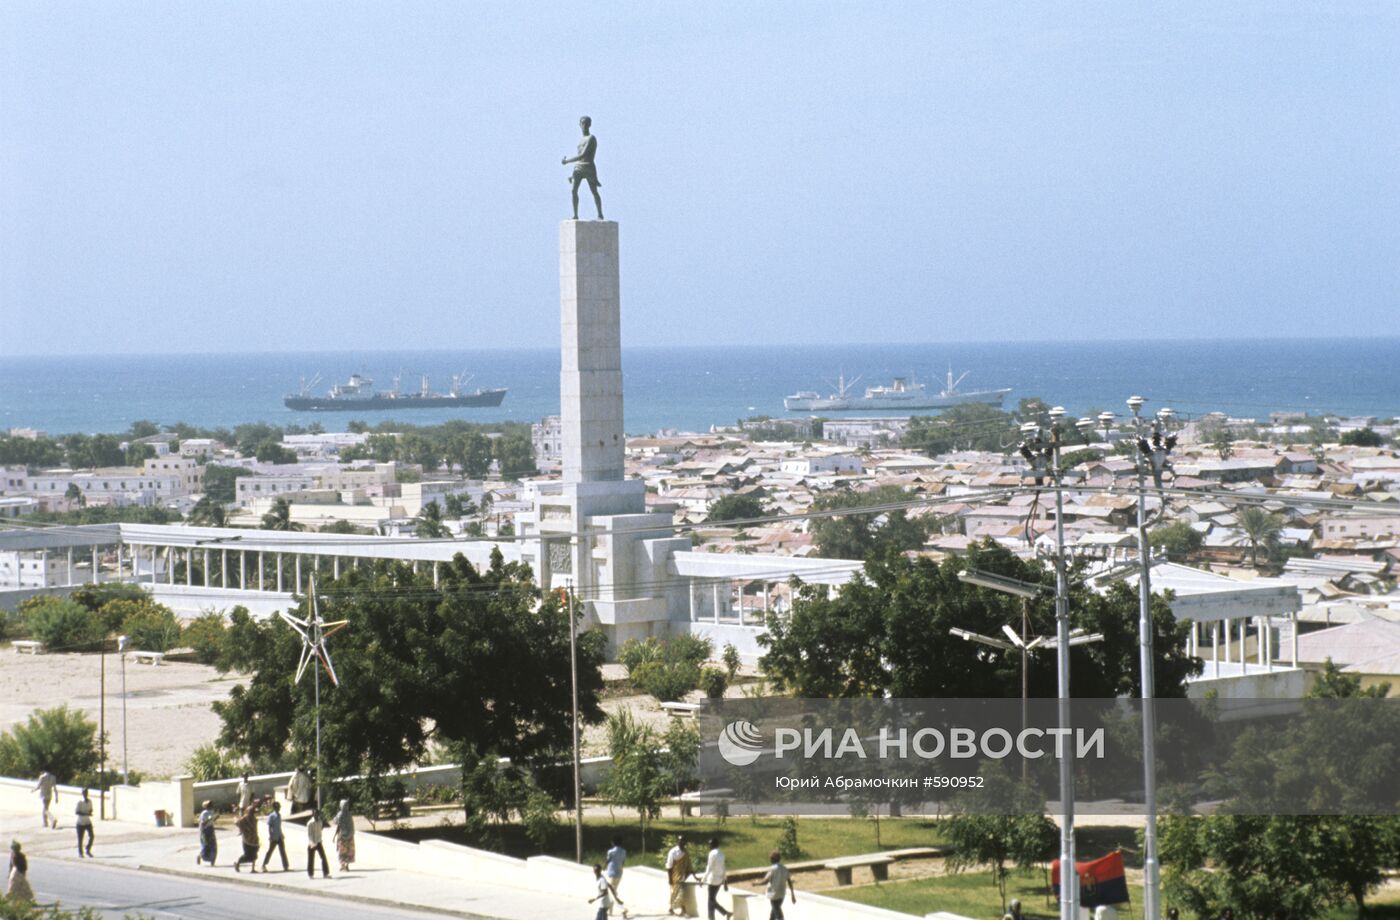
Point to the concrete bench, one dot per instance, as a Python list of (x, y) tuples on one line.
[(681, 710), (879, 867), (32, 646), (150, 658)]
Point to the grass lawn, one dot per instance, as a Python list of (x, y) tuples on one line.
[(746, 842), (972, 894)]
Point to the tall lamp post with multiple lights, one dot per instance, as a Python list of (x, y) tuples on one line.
[(1040, 446), (1153, 444)]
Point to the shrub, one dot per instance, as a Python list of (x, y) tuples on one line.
[(689, 648), (205, 634), (96, 596), (667, 681), (209, 762), (731, 660), (63, 625), (537, 815), (788, 847), (714, 682), (61, 740), (638, 651), (151, 628), (116, 612)]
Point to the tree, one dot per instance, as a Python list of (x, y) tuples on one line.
[(1261, 528), (514, 455), (982, 834), (75, 494), (209, 513), (1362, 437), (638, 779), (61, 740), (973, 427), (279, 517), (151, 628), (137, 454), (859, 536), (220, 482), (205, 635), (1177, 540), (735, 507), (143, 428), (477, 664), (887, 632), (470, 452), (341, 526), (1223, 445), (428, 524), (666, 669), (273, 452), (460, 506)]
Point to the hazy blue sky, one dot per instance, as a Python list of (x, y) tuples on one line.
[(294, 175)]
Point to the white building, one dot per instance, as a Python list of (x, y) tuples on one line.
[(815, 463), (547, 439)]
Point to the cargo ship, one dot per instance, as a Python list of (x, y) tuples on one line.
[(358, 394), (902, 395)]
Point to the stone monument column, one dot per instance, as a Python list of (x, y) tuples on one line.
[(590, 370)]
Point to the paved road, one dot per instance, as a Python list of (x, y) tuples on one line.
[(115, 893)]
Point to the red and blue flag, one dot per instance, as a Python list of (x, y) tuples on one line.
[(1101, 881)]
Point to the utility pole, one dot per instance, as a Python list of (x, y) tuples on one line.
[(1148, 455), (1041, 448), (122, 643), (102, 733)]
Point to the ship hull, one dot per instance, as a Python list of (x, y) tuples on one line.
[(379, 402), (893, 404)]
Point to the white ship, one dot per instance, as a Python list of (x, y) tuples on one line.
[(902, 395)]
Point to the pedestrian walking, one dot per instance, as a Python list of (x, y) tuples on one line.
[(208, 840), (299, 790), (605, 893), (275, 840), (245, 794), (84, 824), (247, 825), (47, 787), (715, 878), (677, 870), (617, 857), (18, 891), (314, 827), (344, 836), (779, 882)]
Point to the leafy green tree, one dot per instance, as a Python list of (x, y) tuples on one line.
[(209, 513), (1261, 528), (1072, 458), (982, 835), (75, 494), (96, 596), (206, 634), (1362, 437), (1178, 540), (341, 526), (735, 507), (514, 455), (859, 536), (460, 506), (109, 514), (478, 664), (429, 525), (143, 428), (274, 452), (714, 682), (731, 660), (137, 454), (219, 482), (887, 632), (638, 779), (210, 762), (60, 740), (968, 427), (1223, 444), (470, 452), (62, 624), (279, 516)]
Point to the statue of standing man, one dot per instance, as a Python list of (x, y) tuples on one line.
[(584, 170)]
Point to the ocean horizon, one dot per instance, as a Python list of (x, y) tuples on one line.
[(692, 388)]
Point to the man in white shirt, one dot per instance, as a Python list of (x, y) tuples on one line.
[(299, 791), (245, 795), (47, 785), (715, 878), (617, 856), (779, 882)]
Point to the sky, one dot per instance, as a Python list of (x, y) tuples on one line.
[(288, 176)]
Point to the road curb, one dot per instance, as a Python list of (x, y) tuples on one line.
[(237, 879)]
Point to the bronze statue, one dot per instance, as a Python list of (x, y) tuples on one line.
[(584, 168)]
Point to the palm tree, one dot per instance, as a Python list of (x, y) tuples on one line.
[(429, 523), (279, 517), (1261, 528), (209, 513)]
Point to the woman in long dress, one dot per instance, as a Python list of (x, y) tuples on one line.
[(18, 889), (208, 842), (345, 836)]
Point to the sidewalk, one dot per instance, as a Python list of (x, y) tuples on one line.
[(172, 851)]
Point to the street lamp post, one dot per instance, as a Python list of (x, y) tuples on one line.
[(1153, 445), (1041, 448), (123, 643)]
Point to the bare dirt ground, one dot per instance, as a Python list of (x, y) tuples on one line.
[(168, 707)]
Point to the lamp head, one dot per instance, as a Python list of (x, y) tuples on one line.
[(1135, 404), (1085, 426), (1029, 429), (1056, 414), (1166, 413)]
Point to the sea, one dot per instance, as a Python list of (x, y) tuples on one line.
[(694, 388)]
